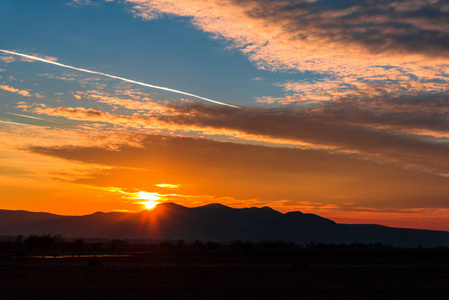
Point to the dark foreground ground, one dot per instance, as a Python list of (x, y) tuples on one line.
[(299, 274)]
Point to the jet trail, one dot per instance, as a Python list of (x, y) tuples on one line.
[(15, 123), (25, 116), (117, 77)]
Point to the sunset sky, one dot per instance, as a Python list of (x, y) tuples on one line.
[(338, 108)]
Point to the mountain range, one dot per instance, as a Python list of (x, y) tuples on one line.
[(215, 222)]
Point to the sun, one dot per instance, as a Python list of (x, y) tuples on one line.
[(149, 204), (151, 197)]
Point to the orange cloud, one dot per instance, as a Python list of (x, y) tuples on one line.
[(7, 58), (337, 128), (168, 186), (138, 100), (377, 82), (50, 58), (405, 50), (14, 90)]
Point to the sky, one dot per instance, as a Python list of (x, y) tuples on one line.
[(338, 108)]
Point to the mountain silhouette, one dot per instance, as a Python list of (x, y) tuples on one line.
[(215, 222)]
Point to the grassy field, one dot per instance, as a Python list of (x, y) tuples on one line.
[(231, 274)]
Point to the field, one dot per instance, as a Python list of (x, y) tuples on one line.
[(229, 273)]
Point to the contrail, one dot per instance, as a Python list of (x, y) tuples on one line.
[(117, 77), (15, 123), (26, 116)]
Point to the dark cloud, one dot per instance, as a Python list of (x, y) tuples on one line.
[(380, 26), (411, 133), (405, 132)]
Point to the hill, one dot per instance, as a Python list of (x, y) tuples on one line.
[(215, 222)]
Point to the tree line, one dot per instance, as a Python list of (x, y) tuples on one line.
[(48, 244)]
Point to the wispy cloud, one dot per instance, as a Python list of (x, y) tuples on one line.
[(77, 3)]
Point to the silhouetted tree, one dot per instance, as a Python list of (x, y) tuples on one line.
[(213, 245), (115, 243), (180, 244), (197, 244), (19, 239), (78, 245)]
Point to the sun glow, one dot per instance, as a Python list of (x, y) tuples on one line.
[(151, 197), (149, 204)]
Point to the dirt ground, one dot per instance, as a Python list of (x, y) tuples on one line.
[(356, 274)]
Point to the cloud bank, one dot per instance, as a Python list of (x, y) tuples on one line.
[(363, 48)]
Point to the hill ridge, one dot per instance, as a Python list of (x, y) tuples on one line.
[(215, 222)]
